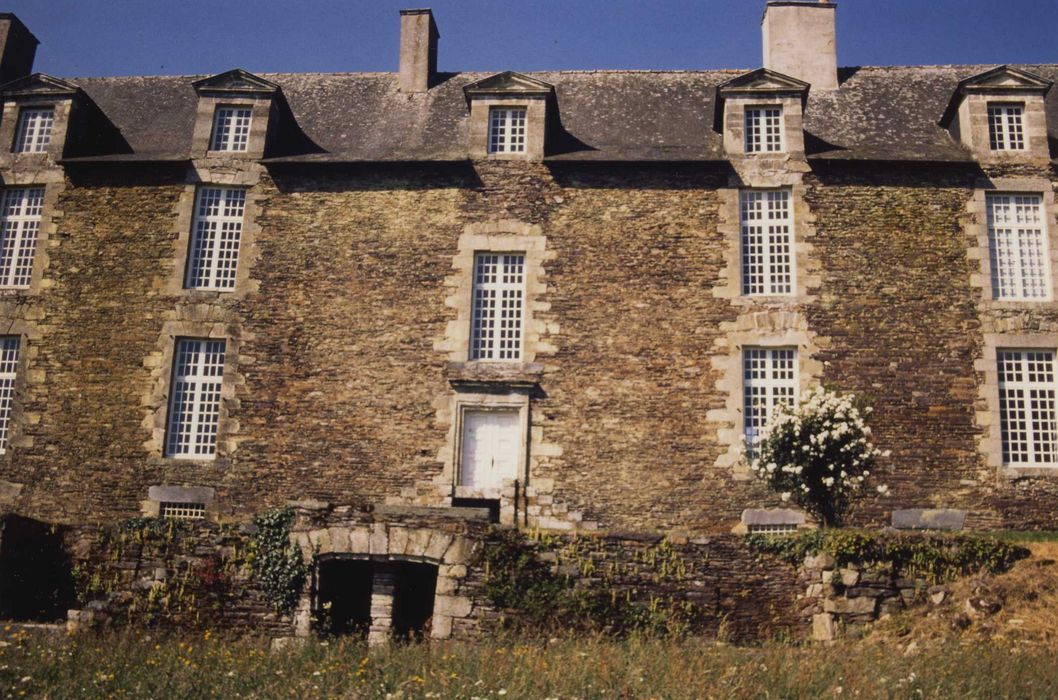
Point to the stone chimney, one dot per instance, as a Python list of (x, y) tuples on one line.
[(800, 41), (18, 47), (418, 50)]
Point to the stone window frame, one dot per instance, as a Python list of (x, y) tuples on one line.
[(793, 140), (977, 231), (535, 126), (990, 439), (156, 401), (1003, 134), (769, 265), (9, 120), (26, 379), (156, 495), (766, 329), (246, 179), (503, 399), (498, 237), (761, 129), (53, 186), (260, 109), (973, 126)]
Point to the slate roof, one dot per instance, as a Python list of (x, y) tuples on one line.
[(876, 114)]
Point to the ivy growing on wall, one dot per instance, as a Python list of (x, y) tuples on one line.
[(276, 562)]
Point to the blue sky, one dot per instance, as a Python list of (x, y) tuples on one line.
[(147, 37)]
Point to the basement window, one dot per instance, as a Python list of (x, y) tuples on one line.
[(1005, 127), (215, 236), (1018, 250), (20, 215), (767, 242), (9, 352), (182, 511), (507, 130), (34, 130), (499, 306), (194, 406), (772, 529), (231, 129), (769, 378), (764, 130), (1028, 411)]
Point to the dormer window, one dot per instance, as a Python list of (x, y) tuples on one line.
[(231, 129), (506, 130), (34, 130), (1006, 130), (764, 129)]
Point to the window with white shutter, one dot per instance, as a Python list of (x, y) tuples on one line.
[(33, 134), (767, 242), (769, 377), (20, 216), (507, 130), (1018, 250), (1006, 130), (194, 403), (9, 351), (498, 306), (231, 129), (763, 130), (491, 442), (1028, 414), (215, 236)]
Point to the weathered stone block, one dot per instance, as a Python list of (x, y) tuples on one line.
[(824, 627), (929, 519)]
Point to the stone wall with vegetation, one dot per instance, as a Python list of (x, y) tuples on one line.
[(339, 380)]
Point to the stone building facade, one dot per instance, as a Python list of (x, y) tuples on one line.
[(539, 293)]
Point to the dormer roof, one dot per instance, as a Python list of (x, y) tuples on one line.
[(38, 85), (762, 81), (235, 81), (508, 84), (997, 81)]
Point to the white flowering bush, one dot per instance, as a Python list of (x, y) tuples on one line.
[(818, 453)]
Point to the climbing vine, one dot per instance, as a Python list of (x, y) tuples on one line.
[(276, 562)]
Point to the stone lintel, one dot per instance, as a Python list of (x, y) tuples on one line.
[(929, 519)]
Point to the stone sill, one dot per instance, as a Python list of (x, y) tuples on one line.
[(506, 373), (1022, 472)]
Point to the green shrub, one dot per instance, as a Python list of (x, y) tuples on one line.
[(277, 564)]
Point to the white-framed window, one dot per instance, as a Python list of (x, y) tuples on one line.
[(769, 378), (490, 444), (764, 130), (772, 529), (182, 511), (507, 130), (1017, 246), (194, 403), (34, 129), (20, 213), (215, 234), (9, 350), (498, 306), (767, 242), (1006, 127), (231, 129), (1028, 414)]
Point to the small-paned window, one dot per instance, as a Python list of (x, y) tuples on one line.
[(1006, 128), (769, 378), (506, 130), (1028, 416), (20, 214), (182, 511), (34, 129), (763, 129), (772, 529), (1017, 242), (194, 404), (217, 228), (767, 242), (9, 348), (231, 129), (499, 303)]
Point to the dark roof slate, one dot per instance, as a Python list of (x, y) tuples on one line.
[(875, 114)]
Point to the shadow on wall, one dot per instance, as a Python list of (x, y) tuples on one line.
[(36, 577)]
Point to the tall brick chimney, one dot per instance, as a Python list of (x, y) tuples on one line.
[(418, 50), (800, 41), (18, 48)]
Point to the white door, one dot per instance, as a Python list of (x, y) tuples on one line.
[(491, 441)]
